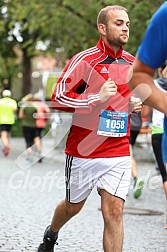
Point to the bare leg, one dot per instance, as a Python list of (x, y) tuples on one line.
[(64, 212), (112, 210), (5, 138), (37, 143), (165, 188)]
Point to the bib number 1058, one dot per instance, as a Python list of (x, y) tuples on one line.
[(115, 124)]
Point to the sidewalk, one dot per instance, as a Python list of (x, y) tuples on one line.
[(29, 195)]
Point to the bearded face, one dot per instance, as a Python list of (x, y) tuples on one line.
[(117, 28)]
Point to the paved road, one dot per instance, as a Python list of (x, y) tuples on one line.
[(29, 195)]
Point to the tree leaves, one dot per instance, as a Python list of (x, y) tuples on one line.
[(67, 24)]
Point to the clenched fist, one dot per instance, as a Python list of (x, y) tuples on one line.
[(108, 89), (135, 104)]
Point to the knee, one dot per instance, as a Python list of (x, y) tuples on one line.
[(113, 213), (73, 208)]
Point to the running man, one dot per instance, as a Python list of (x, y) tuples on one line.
[(94, 87)]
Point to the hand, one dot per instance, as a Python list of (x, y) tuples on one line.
[(135, 104), (108, 89)]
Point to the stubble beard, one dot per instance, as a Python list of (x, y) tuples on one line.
[(116, 42)]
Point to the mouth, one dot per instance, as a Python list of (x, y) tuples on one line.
[(124, 35)]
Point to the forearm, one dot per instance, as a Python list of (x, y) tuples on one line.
[(143, 86), (72, 101)]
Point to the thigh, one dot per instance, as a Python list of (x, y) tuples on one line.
[(28, 135), (38, 132), (110, 203), (156, 144), (78, 176), (117, 176), (6, 127)]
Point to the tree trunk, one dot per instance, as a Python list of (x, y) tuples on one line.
[(27, 82)]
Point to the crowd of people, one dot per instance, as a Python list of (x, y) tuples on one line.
[(107, 117), (32, 115)]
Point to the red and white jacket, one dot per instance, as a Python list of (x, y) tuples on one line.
[(77, 91)]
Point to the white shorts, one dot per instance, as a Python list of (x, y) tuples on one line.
[(83, 174)]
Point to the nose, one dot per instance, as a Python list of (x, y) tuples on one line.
[(125, 27)]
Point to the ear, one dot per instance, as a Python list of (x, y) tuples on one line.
[(102, 29)]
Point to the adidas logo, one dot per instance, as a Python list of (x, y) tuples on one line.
[(104, 70)]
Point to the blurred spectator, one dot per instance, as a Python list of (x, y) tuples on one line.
[(8, 107), (26, 113), (33, 115), (41, 117)]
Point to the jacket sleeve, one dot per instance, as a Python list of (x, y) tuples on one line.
[(71, 90)]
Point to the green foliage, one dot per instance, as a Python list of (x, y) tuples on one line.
[(67, 24), (140, 13), (49, 87)]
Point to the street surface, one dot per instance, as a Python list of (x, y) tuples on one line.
[(29, 194)]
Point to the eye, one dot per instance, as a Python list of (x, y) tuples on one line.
[(119, 24)]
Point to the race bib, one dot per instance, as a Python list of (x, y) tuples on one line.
[(113, 124)]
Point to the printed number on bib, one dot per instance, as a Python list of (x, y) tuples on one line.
[(113, 124)]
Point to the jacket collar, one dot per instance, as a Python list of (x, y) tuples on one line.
[(109, 51)]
